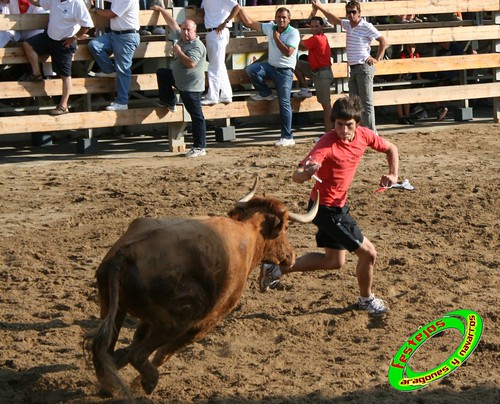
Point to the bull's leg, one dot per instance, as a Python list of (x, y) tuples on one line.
[(148, 339)]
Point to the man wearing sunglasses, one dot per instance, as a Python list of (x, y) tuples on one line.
[(360, 34)]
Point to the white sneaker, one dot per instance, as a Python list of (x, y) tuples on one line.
[(102, 74), (196, 153), (208, 102), (267, 280), (258, 97), (116, 107), (225, 100), (303, 93), (285, 142), (373, 305)]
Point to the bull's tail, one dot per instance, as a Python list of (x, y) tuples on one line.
[(98, 342)]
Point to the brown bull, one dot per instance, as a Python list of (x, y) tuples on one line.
[(180, 277)]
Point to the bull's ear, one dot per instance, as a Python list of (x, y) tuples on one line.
[(274, 225), (235, 213)]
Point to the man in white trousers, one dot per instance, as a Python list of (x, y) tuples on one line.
[(218, 18)]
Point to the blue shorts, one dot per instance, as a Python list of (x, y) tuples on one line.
[(337, 229), (62, 57)]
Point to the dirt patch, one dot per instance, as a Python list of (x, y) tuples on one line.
[(437, 245)]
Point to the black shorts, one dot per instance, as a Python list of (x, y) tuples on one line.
[(62, 57), (337, 229)]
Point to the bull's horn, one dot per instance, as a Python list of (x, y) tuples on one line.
[(243, 201), (307, 217)]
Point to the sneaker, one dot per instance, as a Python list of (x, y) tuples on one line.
[(266, 279), (116, 107), (225, 100), (403, 121), (208, 102), (196, 152), (373, 305), (164, 104), (258, 97), (442, 111), (303, 93), (102, 74), (284, 142)]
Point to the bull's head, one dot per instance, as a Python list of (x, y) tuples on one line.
[(272, 217)]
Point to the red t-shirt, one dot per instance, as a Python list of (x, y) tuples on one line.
[(339, 161), (319, 51)]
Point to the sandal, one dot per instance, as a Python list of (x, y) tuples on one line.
[(31, 77), (59, 111)]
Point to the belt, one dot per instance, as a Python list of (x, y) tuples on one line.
[(319, 69), (282, 68), (127, 31), (359, 64), (211, 29)]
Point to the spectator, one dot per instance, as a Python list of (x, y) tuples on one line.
[(218, 16), (121, 41), (18, 7), (67, 22), (409, 52), (283, 46), (146, 5), (187, 74), (318, 67), (360, 34), (334, 159)]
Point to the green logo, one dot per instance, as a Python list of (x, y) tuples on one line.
[(470, 325)]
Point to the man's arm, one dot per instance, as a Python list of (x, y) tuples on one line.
[(246, 20), (333, 19), (172, 24), (284, 49), (35, 3), (393, 162), (236, 9), (382, 46)]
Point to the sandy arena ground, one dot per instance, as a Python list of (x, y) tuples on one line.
[(305, 343)]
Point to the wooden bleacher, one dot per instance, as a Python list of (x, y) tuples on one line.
[(85, 114)]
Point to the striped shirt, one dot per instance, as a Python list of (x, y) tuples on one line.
[(290, 37), (359, 39)]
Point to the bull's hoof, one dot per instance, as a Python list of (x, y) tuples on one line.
[(120, 357), (149, 384)]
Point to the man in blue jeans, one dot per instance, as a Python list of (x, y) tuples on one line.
[(121, 41), (187, 74), (283, 45)]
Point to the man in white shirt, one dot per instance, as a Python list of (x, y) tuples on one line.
[(121, 41), (360, 34), (68, 21), (218, 16)]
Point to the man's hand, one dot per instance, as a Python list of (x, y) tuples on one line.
[(388, 180)]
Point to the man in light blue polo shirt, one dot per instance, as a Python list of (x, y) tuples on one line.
[(283, 45)]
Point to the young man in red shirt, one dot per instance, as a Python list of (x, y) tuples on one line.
[(333, 162), (318, 67)]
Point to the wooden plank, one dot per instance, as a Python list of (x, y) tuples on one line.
[(428, 94), (154, 49), (23, 22), (371, 9), (147, 81), (101, 119), (438, 63), (87, 120)]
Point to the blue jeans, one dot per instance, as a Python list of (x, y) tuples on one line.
[(283, 80), (122, 46), (361, 84), (190, 99)]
